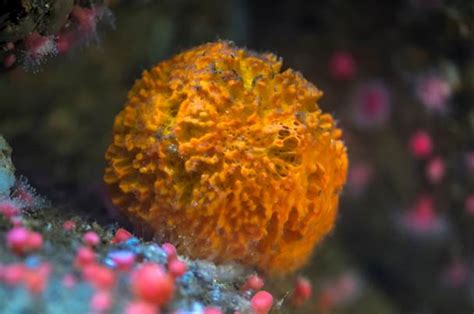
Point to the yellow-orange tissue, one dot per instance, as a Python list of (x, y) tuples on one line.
[(220, 152)]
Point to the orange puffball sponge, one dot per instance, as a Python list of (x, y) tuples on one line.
[(228, 157)]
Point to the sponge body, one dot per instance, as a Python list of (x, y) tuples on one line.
[(220, 152)]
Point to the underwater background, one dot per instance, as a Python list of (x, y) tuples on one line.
[(398, 76)]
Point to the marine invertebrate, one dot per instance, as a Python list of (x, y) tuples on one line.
[(302, 291), (371, 105), (423, 221), (262, 302), (342, 65), (32, 32), (421, 144), (433, 91), (228, 157), (111, 270)]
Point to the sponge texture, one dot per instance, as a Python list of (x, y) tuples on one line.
[(224, 154)]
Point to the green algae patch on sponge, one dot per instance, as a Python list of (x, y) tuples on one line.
[(220, 152)]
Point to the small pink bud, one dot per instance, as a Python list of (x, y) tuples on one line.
[(65, 40), (302, 291), (13, 274), (9, 60), (86, 18), (84, 256), (261, 302), (124, 260), (9, 209), (35, 241), (152, 284), (36, 279), (371, 105), (91, 238), (170, 250), (141, 307), (212, 310), (101, 301), (177, 268), (435, 170), (99, 276), (17, 240), (433, 91), (69, 225), (254, 282), (25, 194), (421, 145), (121, 235), (342, 65)]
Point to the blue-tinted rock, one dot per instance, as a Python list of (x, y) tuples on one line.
[(7, 177)]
